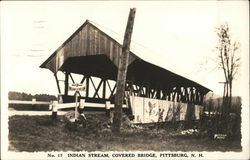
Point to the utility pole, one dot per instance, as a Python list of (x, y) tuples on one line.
[(122, 73)]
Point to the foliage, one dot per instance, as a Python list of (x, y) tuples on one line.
[(19, 96), (223, 115), (28, 97), (214, 121), (215, 105), (228, 61)]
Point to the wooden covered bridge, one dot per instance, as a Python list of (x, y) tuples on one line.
[(91, 52)]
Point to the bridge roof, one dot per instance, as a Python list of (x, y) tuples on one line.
[(90, 50)]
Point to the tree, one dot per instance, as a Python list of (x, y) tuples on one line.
[(228, 61)]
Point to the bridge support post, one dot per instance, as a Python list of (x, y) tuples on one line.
[(107, 106), (60, 98), (82, 101), (54, 109)]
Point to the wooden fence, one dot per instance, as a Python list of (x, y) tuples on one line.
[(56, 106)]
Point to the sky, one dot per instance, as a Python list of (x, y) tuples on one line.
[(179, 35)]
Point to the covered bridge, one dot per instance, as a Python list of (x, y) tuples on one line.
[(91, 52)]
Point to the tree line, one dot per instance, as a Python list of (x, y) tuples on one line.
[(13, 95)]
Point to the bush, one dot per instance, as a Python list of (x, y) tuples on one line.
[(221, 124), (215, 121)]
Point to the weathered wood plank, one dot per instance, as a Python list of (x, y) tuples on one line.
[(102, 46), (87, 86), (97, 89), (88, 40), (99, 44), (80, 43), (57, 83), (107, 48), (104, 89), (77, 48), (86, 104), (92, 42), (85, 43), (96, 43), (66, 83), (111, 50)]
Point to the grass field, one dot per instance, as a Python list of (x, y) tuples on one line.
[(40, 133)]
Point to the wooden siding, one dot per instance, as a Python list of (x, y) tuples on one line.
[(88, 41)]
